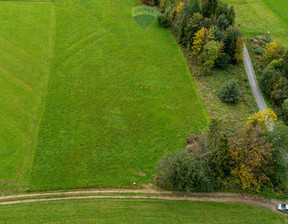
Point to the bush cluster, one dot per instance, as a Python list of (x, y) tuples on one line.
[(251, 160), (273, 66), (182, 172), (196, 23)]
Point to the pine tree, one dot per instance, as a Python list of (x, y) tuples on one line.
[(218, 149), (209, 8), (230, 43), (196, 6), (231, 15)]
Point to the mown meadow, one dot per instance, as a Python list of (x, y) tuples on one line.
[(117, 98), (261, 16), (135, 211), (26, 44)]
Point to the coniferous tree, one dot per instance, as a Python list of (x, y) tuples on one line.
[(230, 43), (194, 24), (218, 149), (196, 6), (231, 15), (223, 22), (209, 8)]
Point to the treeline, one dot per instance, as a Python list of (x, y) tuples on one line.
[(206, 28), (273, 67), (252, 160)]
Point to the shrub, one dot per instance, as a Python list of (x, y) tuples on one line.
[(275, 64), (259, 51), (230, 92), (222, 62), (182, 172), (162, 19), (274, 85), (272, 52)]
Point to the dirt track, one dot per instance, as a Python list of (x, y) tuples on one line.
[(152, 194)]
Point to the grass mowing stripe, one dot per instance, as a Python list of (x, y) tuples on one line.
[(25, 55), (117, 99)]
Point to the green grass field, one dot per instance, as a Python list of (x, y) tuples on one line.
[(259, 16), (26, 38), (116, 99), (135, 211)]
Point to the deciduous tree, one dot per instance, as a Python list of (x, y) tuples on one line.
[(251, 154), (272, 52), (262, 119), (212, 51), (201, 38)]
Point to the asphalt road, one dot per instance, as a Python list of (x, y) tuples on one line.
[(253, 81), (254, 85)]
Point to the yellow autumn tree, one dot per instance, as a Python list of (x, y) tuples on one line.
[(263, 119), (179, 7), (272, 52), (201, 38), (251, 156)]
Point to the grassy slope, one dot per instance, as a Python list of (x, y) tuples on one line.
[(135, 211), (25, 54), (117, 98), (259, 16), (231, 115), (280, 8)]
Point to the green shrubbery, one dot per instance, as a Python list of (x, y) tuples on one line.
[(251, 160), (182, 172), (162, 19), (187, 19), (230, 92), (272, 65)]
